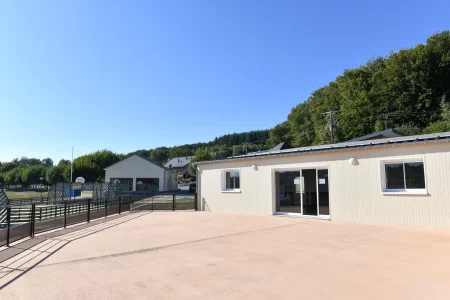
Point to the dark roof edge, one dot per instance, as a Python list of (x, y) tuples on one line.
[(367, 136), (407, 140)]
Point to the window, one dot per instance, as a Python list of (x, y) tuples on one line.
[(147, 184), (232, 180), (404, 176), (122, 184)]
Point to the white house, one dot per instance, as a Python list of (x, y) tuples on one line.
[(403, 180), (180, 165), (137, 173)]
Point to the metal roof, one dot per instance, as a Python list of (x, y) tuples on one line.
[(179, 162), (340, 147), (388, 132)]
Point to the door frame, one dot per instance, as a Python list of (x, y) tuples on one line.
[(299, 169)]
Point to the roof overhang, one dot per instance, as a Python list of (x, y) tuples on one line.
[(382, 143)]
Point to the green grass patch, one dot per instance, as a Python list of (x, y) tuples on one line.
[(26, 194)]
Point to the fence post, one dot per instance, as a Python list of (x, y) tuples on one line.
[(152, 203), (173, 201), (65, 214), (106, 207), (120, 205), (33, 219), (8, 217), (89, 211), (196, 201)]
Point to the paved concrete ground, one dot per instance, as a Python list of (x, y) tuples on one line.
[(201, 255)]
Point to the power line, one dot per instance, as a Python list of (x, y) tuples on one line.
[(387, 115)]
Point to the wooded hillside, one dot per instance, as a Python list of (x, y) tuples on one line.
[(408, 90)]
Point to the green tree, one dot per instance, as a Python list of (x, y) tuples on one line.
[(33, 174), (7, 166), (180, 151), (237, 150), (160, 154), (14, 176), (63, 163), (47, 162), (280, 133), (442, 125), (224, 152), (55, 175), (201, 154)]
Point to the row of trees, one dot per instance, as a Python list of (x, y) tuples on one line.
[(90, 166), (25, 170), (408, 90), (220, 147)]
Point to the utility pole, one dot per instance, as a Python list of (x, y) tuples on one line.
[(71, 167), (71, 174), (331, 114)]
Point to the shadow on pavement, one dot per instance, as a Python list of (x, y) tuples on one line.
[(29, 255)]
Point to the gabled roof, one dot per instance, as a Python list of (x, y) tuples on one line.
[(144, 158), (388, 133), (358, 145), (178, 162)]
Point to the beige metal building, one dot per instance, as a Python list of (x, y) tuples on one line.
[(395, 181)]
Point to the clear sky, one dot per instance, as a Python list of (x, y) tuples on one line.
[(129, 75)]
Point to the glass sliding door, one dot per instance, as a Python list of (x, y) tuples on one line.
[(303, 192), (309, 192), (324, 196), (288, 199)]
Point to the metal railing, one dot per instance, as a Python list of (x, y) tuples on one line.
[(24, 220)]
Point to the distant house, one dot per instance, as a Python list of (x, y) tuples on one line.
[(140, 174), (180, 165)]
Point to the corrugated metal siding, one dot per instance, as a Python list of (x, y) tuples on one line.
[(355, 191)]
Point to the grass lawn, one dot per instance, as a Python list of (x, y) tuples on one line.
[(26, 194)]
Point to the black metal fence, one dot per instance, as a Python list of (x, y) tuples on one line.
[(166, 201), (25, 187), (25, 220)]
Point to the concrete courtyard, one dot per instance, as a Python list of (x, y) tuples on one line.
[(203, 255)]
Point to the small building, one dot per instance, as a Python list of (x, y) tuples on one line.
[(401, 180), (140, 174), (180, 165)]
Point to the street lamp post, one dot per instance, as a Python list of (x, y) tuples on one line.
[(41, 178)]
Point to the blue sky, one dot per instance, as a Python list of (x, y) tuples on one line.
[(128, 75)]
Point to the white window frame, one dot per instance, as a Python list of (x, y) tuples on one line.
[(404, 191), (224, 181)]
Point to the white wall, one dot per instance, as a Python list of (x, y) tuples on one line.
[(355, 191), (137, 167)]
